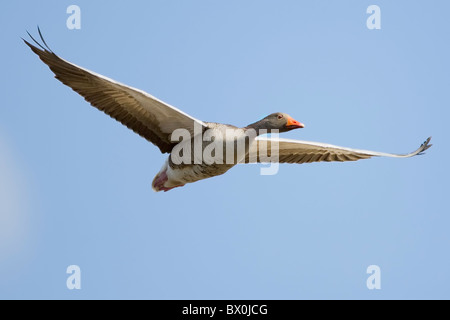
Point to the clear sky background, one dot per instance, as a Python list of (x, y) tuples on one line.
[(75, 186)]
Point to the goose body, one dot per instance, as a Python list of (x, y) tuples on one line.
[(203, 149), (175, 174)]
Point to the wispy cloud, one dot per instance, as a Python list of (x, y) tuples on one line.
[(14, 227)]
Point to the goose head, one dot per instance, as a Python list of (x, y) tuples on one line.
[(277, 121)]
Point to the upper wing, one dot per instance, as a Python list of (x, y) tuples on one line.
[(295, 151), (139, 111)]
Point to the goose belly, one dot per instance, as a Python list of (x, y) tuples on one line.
[(200, 158), (195, 172)]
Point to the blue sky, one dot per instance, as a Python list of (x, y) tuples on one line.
[(75, 186)]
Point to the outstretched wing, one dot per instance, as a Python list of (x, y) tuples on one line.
[(266, 150), (139, 111)]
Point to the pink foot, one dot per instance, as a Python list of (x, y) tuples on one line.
[(160, 179)]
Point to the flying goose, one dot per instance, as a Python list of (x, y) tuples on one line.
[(157, 121)]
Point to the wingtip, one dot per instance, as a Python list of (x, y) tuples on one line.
[(26, 42), (43, 40), (424, 146), (46, 48), (427, 144)]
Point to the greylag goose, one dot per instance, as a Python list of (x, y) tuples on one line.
[(197, 149)]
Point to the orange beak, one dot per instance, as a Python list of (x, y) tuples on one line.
[(291, 123)]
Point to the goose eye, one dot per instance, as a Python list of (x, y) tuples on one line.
[(280, 116)]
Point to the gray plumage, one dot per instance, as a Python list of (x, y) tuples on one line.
[(156, 121)]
